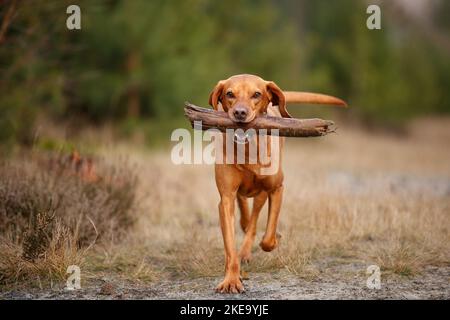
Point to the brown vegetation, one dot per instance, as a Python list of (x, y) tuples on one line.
[(52, 209)]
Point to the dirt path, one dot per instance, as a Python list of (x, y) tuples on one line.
[(341, 282)]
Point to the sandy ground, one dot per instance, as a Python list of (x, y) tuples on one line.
[(344, 281)]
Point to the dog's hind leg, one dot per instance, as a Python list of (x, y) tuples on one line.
[(245, 252), (270, 239), (245, 211)]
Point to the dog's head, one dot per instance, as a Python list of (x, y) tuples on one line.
[(246, 96)]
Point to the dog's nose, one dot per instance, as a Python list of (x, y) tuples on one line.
[(240, 113)]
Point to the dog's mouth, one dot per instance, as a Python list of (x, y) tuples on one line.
[(239, 120), (243, 121)]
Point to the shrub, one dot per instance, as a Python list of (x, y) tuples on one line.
[(54, 206)]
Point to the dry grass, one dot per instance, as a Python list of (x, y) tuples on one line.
[(21, 264), (354, 196), (52, 211)]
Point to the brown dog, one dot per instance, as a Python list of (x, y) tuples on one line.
[(244, 97)]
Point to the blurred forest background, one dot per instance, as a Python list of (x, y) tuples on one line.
[(134, 63)]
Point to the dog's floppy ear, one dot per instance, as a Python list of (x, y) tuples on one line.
[(276, 96), (214, 97)]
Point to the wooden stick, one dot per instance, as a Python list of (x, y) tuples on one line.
[(288, 127)]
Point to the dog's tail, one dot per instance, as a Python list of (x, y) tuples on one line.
[(313, 98)]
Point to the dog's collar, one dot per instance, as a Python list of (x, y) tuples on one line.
[(241, 137)]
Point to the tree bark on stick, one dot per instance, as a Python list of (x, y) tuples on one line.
[(288, 127)]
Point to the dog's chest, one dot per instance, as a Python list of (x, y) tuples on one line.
[(252, 184)]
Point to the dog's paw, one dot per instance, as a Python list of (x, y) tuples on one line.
[(246, 256), (270, 244), (230, 285), (244, 275)]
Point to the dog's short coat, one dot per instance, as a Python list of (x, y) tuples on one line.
[(244, 97)]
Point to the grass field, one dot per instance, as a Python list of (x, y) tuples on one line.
[(352, 199)]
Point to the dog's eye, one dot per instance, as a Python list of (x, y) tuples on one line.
[(230, 94), (256, 95)]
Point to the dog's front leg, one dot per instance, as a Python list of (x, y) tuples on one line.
[(232, 282)]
